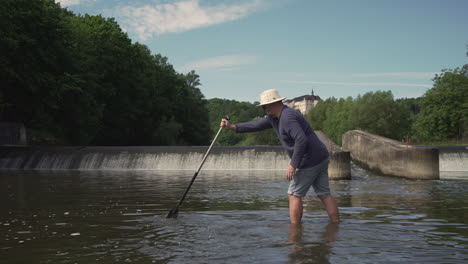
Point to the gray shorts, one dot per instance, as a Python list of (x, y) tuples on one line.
[(316, 176)]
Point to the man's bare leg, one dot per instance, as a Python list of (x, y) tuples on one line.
[(331, 207), (295, 209)]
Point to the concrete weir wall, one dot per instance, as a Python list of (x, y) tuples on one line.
[(142, 158), (161, 158), (453, 161), (391, 157), (453, 158)]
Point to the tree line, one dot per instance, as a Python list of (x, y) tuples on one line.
[(79, 80), (238, 112), (439, 116)]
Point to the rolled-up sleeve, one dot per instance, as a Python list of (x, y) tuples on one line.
[(253, 126)]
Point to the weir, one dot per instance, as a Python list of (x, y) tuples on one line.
[(453, 161), (162, 158), (142, 158)]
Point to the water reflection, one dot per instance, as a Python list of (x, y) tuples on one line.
[(228, 217), (304, 251)]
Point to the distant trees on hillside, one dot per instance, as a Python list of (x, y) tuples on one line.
[(375, 112), (441, 115), (239, 112)]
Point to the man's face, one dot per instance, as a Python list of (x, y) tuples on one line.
[(267, 109)]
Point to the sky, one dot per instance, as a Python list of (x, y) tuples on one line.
[(240, 48)]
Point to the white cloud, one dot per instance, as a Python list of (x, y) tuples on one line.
[(393, 79), (400, 75), (222, 63), (153, 20), (64, 3), (364, 83), (413, 75)]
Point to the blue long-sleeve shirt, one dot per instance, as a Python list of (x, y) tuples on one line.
[(300, 141)]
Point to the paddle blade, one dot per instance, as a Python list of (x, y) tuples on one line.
[(173, 213)]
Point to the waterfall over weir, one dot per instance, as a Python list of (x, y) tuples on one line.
[(453, 160), (161, 158), (143, 158)]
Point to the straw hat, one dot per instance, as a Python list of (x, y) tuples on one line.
[(270, 96)]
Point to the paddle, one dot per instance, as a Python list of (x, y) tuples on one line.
[(175, 211)]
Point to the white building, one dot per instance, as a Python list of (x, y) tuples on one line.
[(303, 103)]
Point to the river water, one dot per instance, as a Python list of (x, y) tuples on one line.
[(228, 217)]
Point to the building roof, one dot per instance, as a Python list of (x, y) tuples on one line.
[(304, 97)]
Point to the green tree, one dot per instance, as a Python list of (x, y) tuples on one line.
[(193, 111), (339, 119), (410, 108), (33, 63), (141, 98), (375, 112), (378, 113), (80, 80), (317, 115), (105, 59), (332, 117), (444, 108), (238, 111), (261, 138)]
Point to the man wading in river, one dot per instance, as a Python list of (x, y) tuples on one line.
[(309, 156)]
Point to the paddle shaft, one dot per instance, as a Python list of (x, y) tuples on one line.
[(199, 168)]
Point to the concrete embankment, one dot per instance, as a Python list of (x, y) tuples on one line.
[(160, 158), (391, 157)]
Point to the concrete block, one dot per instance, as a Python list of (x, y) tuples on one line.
[(391, 157), (340, 160)]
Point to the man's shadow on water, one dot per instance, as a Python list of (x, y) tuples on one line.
[(306, 250)]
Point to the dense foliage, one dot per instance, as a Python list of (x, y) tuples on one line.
[(441, 115), (444, 108), (79, 80), (375, 112), (239, 112)]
